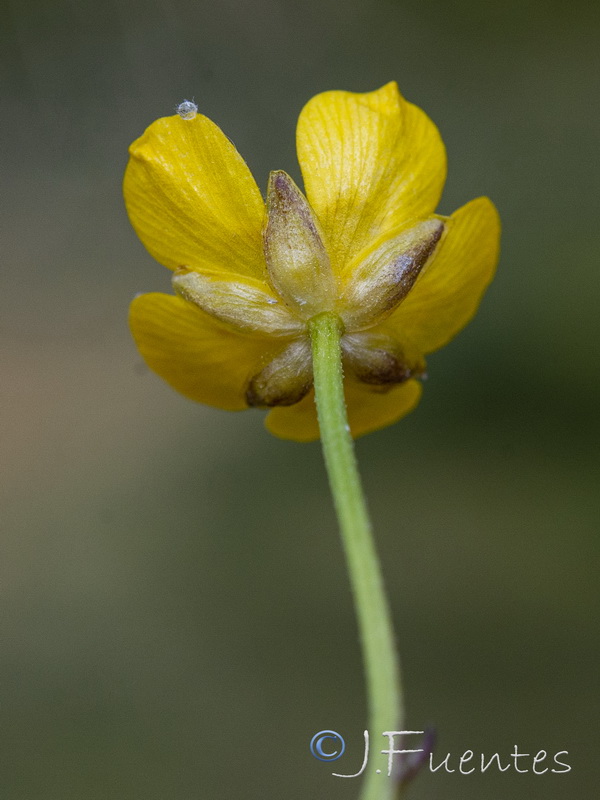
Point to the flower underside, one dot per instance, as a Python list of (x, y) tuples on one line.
[(362, 243), (300, 284)]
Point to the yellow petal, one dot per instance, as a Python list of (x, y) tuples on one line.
[(192, 200), (371, 163), (449, 289), (368, 410), (194, 353)]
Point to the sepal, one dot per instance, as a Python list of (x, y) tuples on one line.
[(285, 380), (378, 360), (245, 305), (297, 262), (379, 282)]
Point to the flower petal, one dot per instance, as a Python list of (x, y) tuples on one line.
[(371, 163), (194, 353), (368, 410), (449, 289), (192, 200)]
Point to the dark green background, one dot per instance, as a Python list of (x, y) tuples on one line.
[(176, 615)]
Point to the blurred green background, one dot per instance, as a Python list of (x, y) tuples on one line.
[(176, 617)]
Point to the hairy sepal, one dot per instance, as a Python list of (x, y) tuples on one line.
[(380, 281), (245, 305)]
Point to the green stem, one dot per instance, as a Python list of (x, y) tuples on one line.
[(381, 661)]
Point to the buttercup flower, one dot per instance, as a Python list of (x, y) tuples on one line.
[(363, 242)]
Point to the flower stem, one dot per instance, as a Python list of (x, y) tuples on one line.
[(380, 658)]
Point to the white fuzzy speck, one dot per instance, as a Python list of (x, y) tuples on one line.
[(187, 110)]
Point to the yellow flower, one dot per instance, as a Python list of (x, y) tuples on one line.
[(363, 243)]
